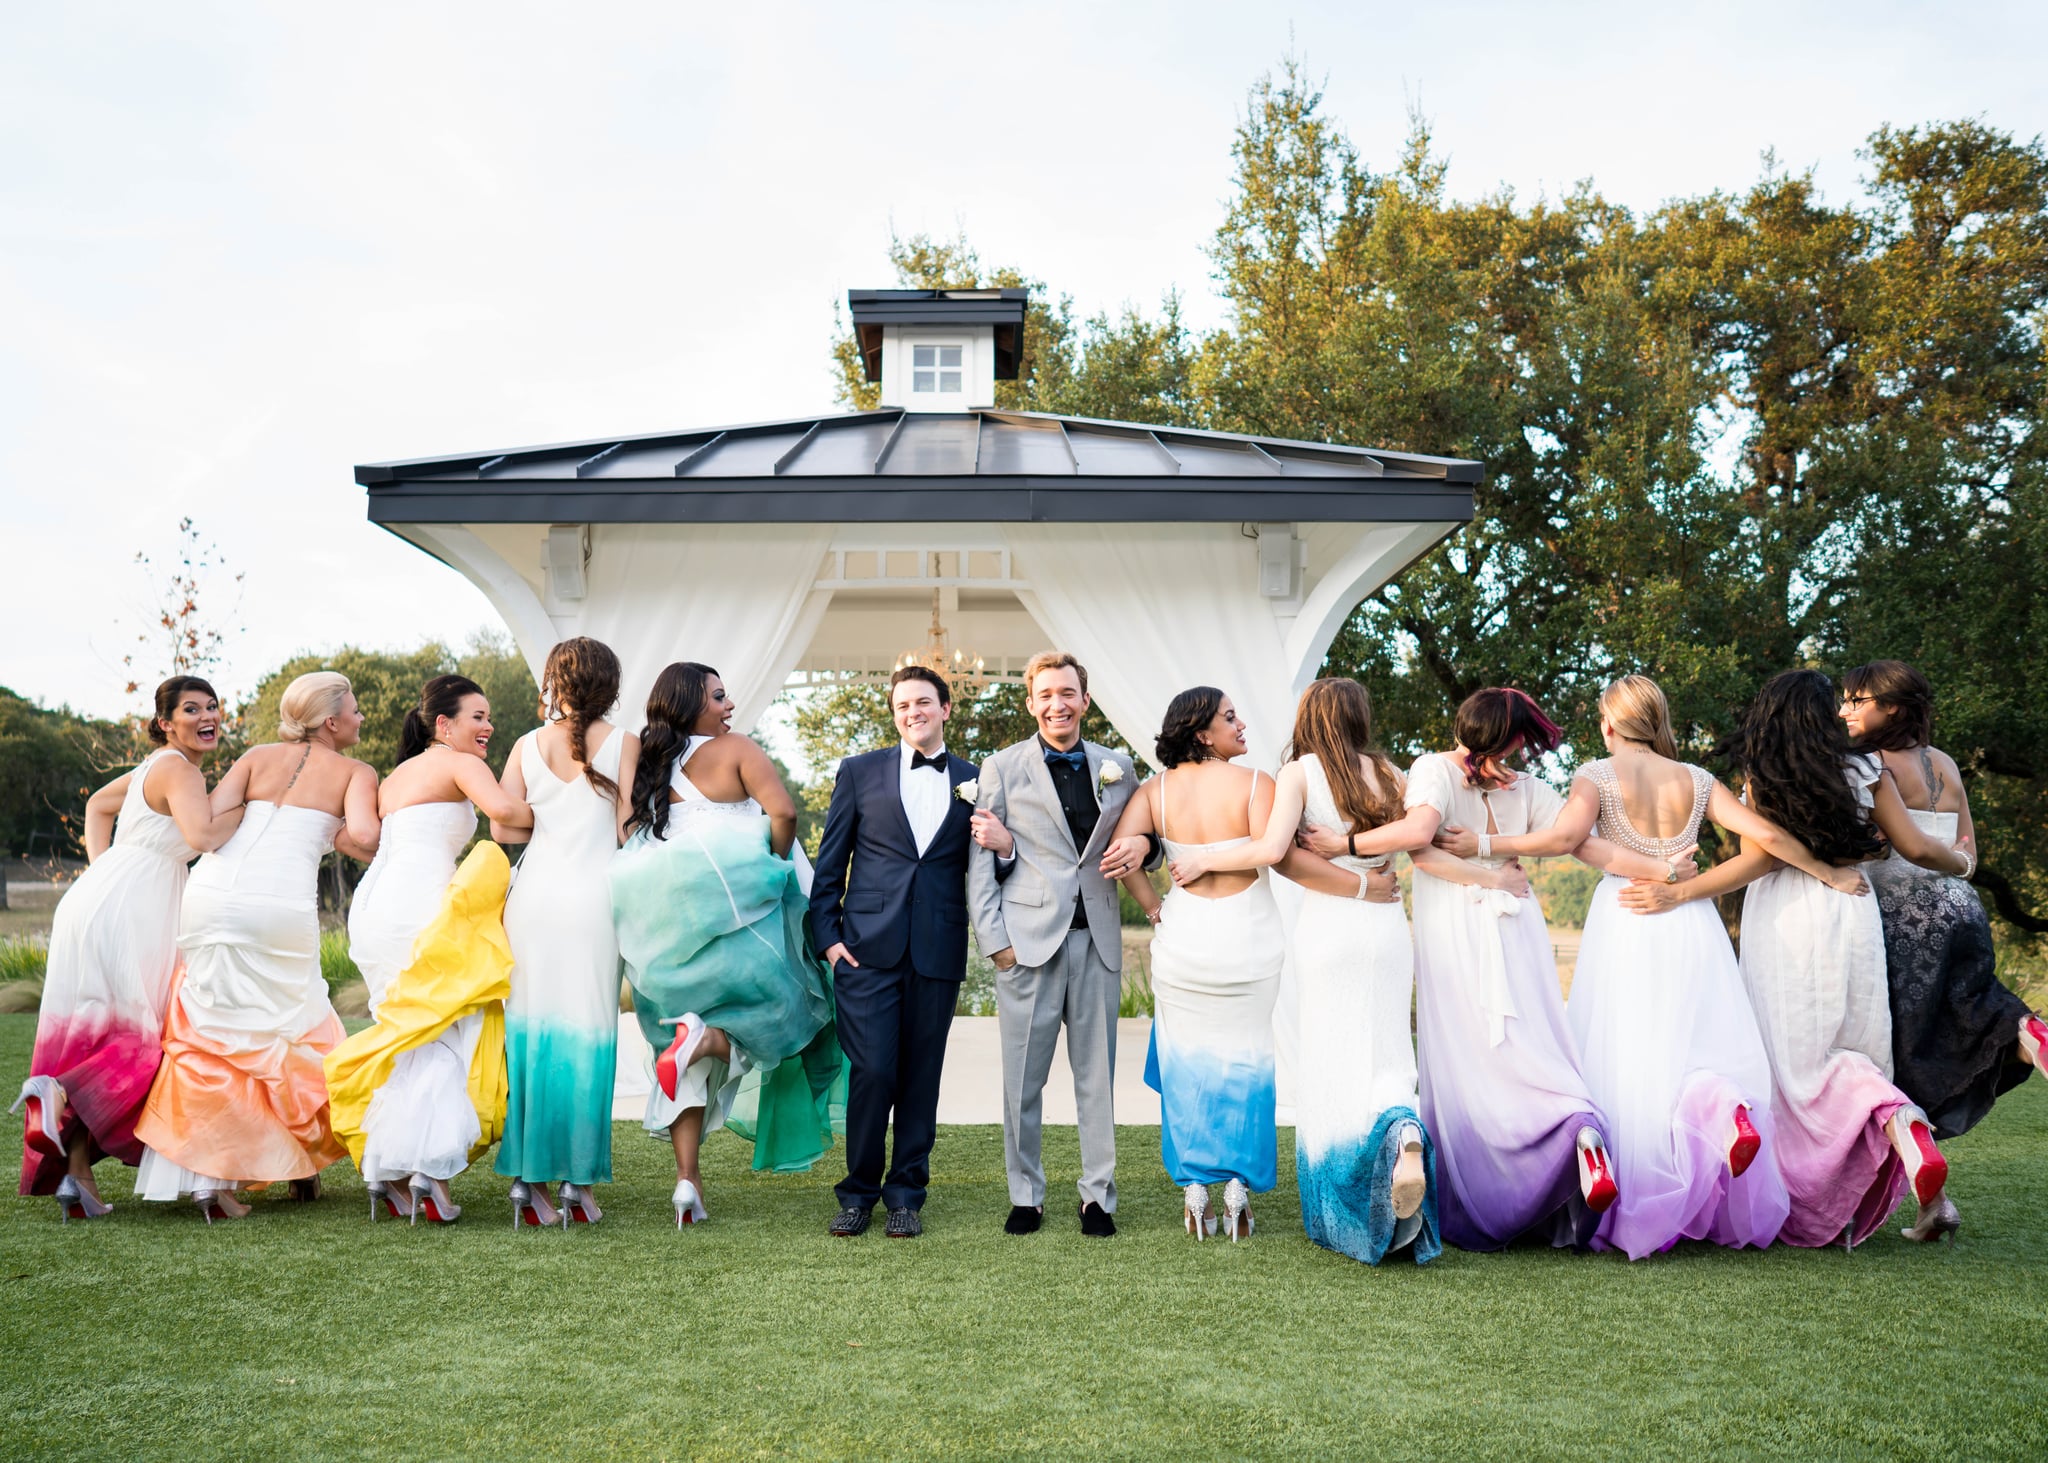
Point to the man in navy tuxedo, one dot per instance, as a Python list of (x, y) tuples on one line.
[(889, 913)]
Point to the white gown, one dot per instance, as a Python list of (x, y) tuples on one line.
[(1670, 1048), (242, 1096), (422, 1119)]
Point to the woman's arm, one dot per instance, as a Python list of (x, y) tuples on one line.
[(232, 791), (1572, 827), (184, 790), (1320, 876), (1141, 890), (1263, 851), (629, 767), (1407, 833), (100, 811), (360, 823), (1438, 864), (1612, 858), (757, 776), (1725, 878), (1135, 821), (474, 780), (1913, 842), (1730, 812), (513, 785)]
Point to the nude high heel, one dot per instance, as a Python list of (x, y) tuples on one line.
[(219, 1204), (530, 1205), (689, 1204), (1926, 1169), (580, 1205), (44, 1131), (430, 1197), (1195, 1216), (1938, 1221), (1411, 1180), (396, 1199), (1596, 1174), (73, 1202)]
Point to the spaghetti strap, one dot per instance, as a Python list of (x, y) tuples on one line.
[(1164, 773)]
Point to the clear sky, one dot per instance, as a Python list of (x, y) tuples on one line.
[(243, 247)]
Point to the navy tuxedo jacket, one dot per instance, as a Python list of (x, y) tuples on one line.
[(872, 889)]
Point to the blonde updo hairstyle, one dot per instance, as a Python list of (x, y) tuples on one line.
[(1635, 707), (308, 702)]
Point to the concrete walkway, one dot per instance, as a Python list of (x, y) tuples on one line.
[(971, 1090)]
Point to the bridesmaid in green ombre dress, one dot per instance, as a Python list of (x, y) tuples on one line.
[(562, 1017), (711, 912)]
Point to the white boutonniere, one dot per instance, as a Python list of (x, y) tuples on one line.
[(967, 791), (1111, 774)]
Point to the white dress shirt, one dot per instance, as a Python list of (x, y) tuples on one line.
[(925, 791)]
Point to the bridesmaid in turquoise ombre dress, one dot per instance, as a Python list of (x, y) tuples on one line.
[(561, 1019)]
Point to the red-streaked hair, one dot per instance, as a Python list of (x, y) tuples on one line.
[(1494, 722)]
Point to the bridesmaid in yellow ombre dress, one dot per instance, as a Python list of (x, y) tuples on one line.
[(417, 1097)]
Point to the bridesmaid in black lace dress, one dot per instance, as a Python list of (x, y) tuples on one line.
[(1959, 1037)]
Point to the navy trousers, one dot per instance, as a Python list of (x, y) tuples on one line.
[(892, 1026)]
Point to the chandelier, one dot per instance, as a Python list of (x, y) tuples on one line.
[(961, 670)]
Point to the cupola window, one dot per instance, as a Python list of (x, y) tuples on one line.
[(936, 368)]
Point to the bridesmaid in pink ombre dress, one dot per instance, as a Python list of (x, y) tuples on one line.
[(113, 949)]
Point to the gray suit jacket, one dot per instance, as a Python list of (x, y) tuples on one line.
[(1031, 908)]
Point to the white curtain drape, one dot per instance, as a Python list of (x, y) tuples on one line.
[(1151, 612), (734, 596)]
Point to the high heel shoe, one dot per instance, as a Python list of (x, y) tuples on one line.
[(2033, 1042), (1237, 1214), (1195, 1216), (580, 1205), (1596, 1174), (44, 1123), (1926, 1169), (219, 1204), (530, 1205), (1742, 1148), (689, 1204), (1938, 1221), (396, 1199), (430, 1197), (672, 1063), (1411, 1181), (74, 1202)]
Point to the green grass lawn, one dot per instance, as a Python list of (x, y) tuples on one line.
[(310, 1332)]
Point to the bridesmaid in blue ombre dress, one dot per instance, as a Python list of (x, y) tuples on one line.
[(562, 1017)]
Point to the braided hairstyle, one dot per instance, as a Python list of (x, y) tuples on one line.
[(1334, 722), (579, 684), (439, 697), (673, 706), (1792, 747), (1497, 721)]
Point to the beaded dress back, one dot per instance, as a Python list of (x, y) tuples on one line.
[(1616, 828)]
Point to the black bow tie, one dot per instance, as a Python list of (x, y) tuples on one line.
[(937, 761), (1076, 759)]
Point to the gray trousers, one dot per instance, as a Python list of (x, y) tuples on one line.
[(1076, 989)]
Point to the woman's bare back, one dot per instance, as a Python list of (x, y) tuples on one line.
[(302, 775), (1656, 792)]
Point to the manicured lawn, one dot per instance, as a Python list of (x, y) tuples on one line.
[(310, 1332)]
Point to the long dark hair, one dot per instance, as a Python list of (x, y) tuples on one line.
[(1793, 748), (439, 697), (1496, 721), (1903, 692), (1186, 714), (168, 695), (1334, 722), (673, 706), (579, 684)]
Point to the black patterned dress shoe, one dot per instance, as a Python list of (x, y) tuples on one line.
[(1024, 1219), (851, 1221), (903, 1224), (1095, 1221)]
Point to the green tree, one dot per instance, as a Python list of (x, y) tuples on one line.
[(50, 762)]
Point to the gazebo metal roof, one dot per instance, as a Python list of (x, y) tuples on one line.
[(896, 466)]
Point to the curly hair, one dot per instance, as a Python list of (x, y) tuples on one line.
[(1905, 694), (1793, 749), (439, 697), (580, 683), (1188, 713), (167, 697), (1334, 724), (1497, 721), (673, 706)]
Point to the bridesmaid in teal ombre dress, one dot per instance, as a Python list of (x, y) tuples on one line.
[(711, 912), (562, 1017)]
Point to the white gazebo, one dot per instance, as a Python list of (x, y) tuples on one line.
[(805, 551)]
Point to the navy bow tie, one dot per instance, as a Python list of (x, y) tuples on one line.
[(1076, 759), (937, 761)]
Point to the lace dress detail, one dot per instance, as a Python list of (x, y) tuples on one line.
[(1615, 826)]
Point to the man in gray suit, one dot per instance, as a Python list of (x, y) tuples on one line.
[(1044, 906)]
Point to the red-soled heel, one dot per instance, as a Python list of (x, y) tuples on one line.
[(44, 1131), (671, 1064), (1743, 1150), (1596, 1176)]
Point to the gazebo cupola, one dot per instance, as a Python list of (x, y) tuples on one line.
[(939, 350)]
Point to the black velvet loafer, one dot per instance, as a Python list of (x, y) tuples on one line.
[(1024, 1219), (1095, 1221)]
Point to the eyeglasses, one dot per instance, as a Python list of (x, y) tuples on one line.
[(1852, 701)]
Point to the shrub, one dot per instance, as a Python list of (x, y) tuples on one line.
[(336, 968), (23, 960)]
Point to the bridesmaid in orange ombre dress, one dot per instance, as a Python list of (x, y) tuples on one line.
[(241, 1097)]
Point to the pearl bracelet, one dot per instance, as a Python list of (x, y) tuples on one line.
[(1486, 845), (1364, 883), (1969, 860)]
